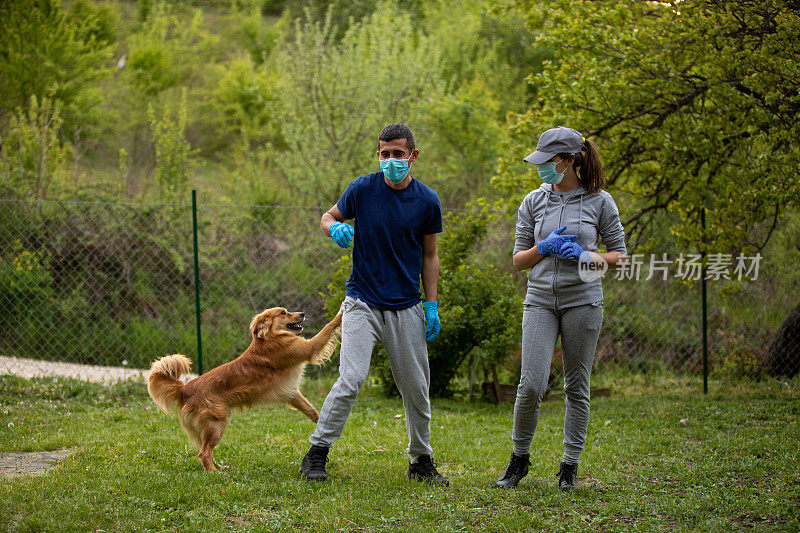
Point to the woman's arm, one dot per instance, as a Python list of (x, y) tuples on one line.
[(526, 258), (613, 235), (612, 258), (525, 254)]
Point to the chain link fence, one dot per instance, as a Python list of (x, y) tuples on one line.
[(655, 311), (111, 286)]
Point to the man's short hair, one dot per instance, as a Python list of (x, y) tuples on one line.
[(396, 130)]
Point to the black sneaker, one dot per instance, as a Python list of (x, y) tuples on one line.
[(567, 476), (423, 470), (517, 469), (313, 465)]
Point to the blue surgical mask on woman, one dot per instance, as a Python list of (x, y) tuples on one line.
[(547, 172), (395, 169)]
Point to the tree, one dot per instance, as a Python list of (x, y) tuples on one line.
[(340, 13), (47, 53), (174, 154), (169, 52), (694, 105), (34, 161), (461, 138), (783, 352), (337, 95), (490, 46)]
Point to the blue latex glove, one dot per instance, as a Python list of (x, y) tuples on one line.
[(553, 243), (342, 234), (570, 250), (432, 318)]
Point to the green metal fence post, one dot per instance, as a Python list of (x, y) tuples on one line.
[(197, 285), (705, 306)]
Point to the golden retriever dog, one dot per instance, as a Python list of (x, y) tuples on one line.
[(269, 371)]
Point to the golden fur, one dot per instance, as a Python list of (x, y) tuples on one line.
[(269, 371)]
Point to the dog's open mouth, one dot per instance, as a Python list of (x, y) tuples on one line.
[(296, 327)]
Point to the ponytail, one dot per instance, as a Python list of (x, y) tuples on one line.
[(588, 167)]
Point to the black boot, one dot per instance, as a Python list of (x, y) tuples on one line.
[(313, 465), (567, 476), (517, 469), (423, 470)]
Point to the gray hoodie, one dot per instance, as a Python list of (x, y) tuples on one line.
[(554, 282)]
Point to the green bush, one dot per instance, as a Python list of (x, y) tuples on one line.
[(25, 280), (480, 304), (740, 362)]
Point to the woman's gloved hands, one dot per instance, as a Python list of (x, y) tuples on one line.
[(553, 243), (342, 234), (570, 250), (432, 318)]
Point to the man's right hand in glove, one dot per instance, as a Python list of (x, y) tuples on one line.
[(342, 234)]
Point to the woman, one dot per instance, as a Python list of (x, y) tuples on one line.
[(557, 230)]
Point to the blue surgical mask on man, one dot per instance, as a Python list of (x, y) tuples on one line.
[(547, 172), (395, 169)]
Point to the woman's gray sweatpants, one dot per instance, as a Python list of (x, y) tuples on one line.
[(402, 334), (579, 328)]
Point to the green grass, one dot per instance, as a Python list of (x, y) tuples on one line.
[(733, 464)]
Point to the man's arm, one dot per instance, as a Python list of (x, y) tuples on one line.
[(329, 217), (430, 267)]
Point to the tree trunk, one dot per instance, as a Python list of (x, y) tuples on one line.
[(783, 354), (496, 382), (472, 372)]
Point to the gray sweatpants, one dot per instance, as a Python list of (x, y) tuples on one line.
[(402, 334), (579, 328)]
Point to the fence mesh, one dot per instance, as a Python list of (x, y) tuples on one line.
[(655, 312), (111, 285)]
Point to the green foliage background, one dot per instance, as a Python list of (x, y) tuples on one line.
[(693, 105), (253, 100)]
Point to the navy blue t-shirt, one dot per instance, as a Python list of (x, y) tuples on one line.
[(388, 240)]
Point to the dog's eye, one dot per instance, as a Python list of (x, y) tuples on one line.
[(283, 312)]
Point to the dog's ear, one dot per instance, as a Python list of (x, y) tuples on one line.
[(260, 325)]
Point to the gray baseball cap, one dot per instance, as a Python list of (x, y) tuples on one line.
[(555, 141)]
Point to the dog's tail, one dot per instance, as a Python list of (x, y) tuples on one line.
[(164, 384)]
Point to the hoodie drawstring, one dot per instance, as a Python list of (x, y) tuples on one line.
[(565, 202), (544, 215)]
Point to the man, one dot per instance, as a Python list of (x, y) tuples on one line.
[(397, 220)]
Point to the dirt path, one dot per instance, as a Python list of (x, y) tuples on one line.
[(14, 464), (32, 368), (29, 368)]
